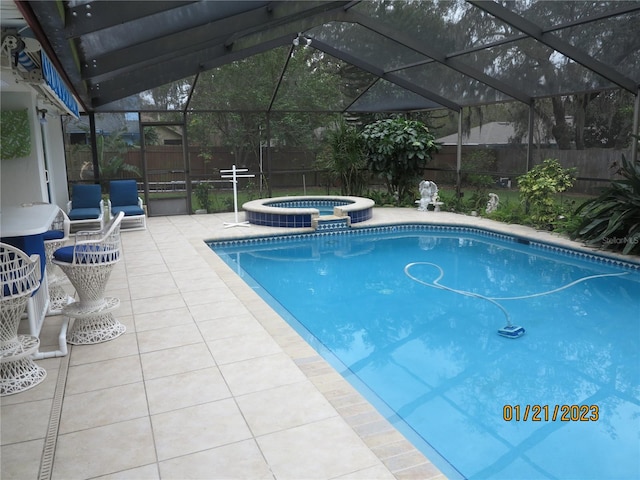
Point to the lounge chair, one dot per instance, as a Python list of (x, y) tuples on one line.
[(86, 206), (123, 197)]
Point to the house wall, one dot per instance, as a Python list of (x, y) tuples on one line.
[(25, 180)]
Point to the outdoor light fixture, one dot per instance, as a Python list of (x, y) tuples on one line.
[(301, 40), (43, 118)]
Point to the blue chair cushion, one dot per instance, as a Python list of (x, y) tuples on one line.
[(84, 213), (65, 254), (128, 210), (53, 235), (85, 196), (11, 290), (123, 193)]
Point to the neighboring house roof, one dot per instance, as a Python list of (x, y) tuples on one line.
[(493, 133)]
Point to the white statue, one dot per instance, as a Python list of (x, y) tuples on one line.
[(428, 195), (492, 204)]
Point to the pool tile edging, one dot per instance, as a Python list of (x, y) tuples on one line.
[(599, 257)]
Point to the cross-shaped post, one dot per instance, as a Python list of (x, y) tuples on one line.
[(234, 179)]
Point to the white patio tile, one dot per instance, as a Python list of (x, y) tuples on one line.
[(103, 374), (218, 328), (146, 472), (169, 337), (24, 421), (261, 373), (185, 390), (104, 450), (284, 407), (206, 294), (202, 427), (21, 460), (324, 449), (103, 407), (176, 360), (218, 307), (243, 347), (122, 346), (238, 461), (146, 286), (161, 319), (157, 304)]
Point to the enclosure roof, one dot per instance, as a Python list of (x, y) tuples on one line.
[(371, 55)]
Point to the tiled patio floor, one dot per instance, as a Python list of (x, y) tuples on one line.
[(207, 382)]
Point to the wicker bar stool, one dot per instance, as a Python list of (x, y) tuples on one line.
[(19, 278), (54, 238), (88, 265)]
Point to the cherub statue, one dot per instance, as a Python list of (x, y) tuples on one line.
[(492, 204), (428, 194)]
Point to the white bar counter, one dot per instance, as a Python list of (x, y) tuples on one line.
[(23, 226)]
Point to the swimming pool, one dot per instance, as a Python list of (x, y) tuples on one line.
[(429, 358)]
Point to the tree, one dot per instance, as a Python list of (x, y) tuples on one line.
[(112, 151), (398, 151), (231, 101), (344, 158)]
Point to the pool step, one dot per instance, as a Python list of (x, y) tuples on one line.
[(330, 223)]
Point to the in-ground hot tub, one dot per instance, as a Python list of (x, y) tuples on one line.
[(307, 211)]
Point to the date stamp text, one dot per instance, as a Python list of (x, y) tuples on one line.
[(550, 413)]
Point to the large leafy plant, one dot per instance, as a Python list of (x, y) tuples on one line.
[(612, 220), (538, 188), (344, 158), (398, 151), (112, 150)]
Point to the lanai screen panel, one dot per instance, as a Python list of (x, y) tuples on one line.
[(388, 97), (448, 83), (613, 41), (524, 49), (448, 26), (550, 15), (366, 45), (172, 96), (536, 69), (316, 81), (247, 84)]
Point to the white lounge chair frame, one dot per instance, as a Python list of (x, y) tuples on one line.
[(131, 222), (99, 222)]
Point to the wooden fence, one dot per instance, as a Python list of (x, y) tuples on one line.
[(294, 168)]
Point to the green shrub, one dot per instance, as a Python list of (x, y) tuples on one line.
[(509, 211), (538, 188), (612, 220), (398, 151), (202, 195)]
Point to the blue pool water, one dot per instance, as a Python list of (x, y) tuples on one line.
[(410, 316)]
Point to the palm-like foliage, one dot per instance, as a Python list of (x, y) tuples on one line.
[(612, 220), (344, 158)]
